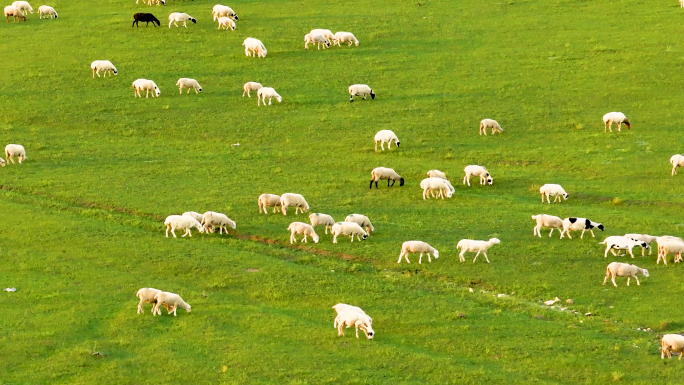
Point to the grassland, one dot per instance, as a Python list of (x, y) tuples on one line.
[(81, 220)]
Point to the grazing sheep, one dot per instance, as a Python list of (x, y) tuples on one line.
[(360, 90), (417, 247), (176, 17), (296, 200), (490, 123), (677, 161), (436, 174), (219, 220), (146, 294), (14, 12), (577, 224), (147, 86), (251, 86), (226, 22), (344, 37), (380, 173), (442, 186), (170, 299), (103, 65), (181, 222), (315, 39), (189, 84), (672, 342), (268, 200), (23, 6), (254, 47), (147, 18), (267, 92), (47, 11), (354, 318), (325, 32), (12, 150), (195, 215), (348, 228), (302, 228), (318, 219), (149, 2), (360, 220), (614, 117), (669, 245), (547, 221), (617, 242), (619, 269), (645, 238), (475, 246), (480, 171), (223, 11), (385, 136), (552, 190)]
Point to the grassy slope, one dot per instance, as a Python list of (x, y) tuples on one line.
[(546, 70)]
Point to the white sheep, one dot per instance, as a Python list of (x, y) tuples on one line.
[(267, 92), (474, 170), (193, 214), (254, 47), (176, 17), (618, 242), (672, 342), (296, 200), (318, 219), (645, 238), (577, 224), (325, 32), (347, 37), (103, 65), (251, 86), (12, 150), (360, 90), (268, 200), (475, 246), (417, 247), (354, 318), (385, 136), (619, 269), (436, 174), (149, 2), (219, 220), (669, 245), (316, 39), (547, 221), (360, 220), (381, 173), (226, 22), (147, 86), (302, 228), (676, 161), (223, 11), (614, 117), (23, 6), (14, 12), (189, 84), (181, 222), (171, 299), (552, 190), (490, 123), (348, 228), (47, 11), (146, 295), (442, 186)]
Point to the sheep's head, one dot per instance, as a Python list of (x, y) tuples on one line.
[(495, 241), (645, 272), (629, 125), (188, 308), (490, 180), (157, 91), (368, 330), (200, 89), (600, 227), (200, 228), (163, 2), (234, 16), (365, 235), (357, 43), (449, 193), (401, 182), (279, 98), (645, 245), (115, 72), (372, 94), (315, 238), (193, 20), (398, 143), (565, 196), (436, 254), (232, 225)]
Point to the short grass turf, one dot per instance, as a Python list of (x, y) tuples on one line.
[(82, 218)]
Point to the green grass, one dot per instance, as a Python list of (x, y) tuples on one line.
[(81, 224)]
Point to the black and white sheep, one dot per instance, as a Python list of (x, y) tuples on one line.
[(577, 224)]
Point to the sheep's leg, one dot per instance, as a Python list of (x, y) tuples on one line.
[(606, 254), (606, 279), (630, 253), (420, 259), (636, 278), (613, 279), (174, 310), (594, 236), (167, 231), (305, 240), (428, 255), (424, 191), (619, 124), (269, 101), (293, 239), (401, 255), (140, 306), (382, 146), (582, 235), (147, 94), (478, 253), (173, 232), (485, 255), (547, 199)]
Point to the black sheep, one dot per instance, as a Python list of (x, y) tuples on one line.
[(146, 17)]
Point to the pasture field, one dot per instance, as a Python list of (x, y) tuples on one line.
[(81, 220)]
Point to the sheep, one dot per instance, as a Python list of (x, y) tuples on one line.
[(344, 37), (318, 219), (615, 117), (315, 39), (576, 224), (195, 215), (417, 247), (223, 11), (12, 150), (219, 220), (385, 136), (302, 228), (325, 32), (189, 84), (360, 220), (268, 200), (147, 86), (672, 342), (619, 269), (380, 173), (267, 92), (176, 17), (436, 174), (181, 222), (442, 186), (296, 200), (14, 12), (47, 11), (254, 47), (145, 17), (23, 6), (474, 170), (552, 190), (146, 294), (251, 86), (171, 299), (354, 318), (676, 161), (547, 221), (617, 242), (669, 245), (103, 65), (360, 90), (149, 2), (475, 246), (645, 238), (226, 22), (348, 228), (490, 123)]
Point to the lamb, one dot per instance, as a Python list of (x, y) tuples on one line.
[(475, 246), (576, 224), (226, 22), (380, 173), (23, 6), (146, 294), (195, 215), (617, 242), (677, 161), (267, 92), (354, 318), (360, 90), (614, 117), (171, 299), (490, 123), (386, 136), (672, 342), (645, 238), (669, 245), (480, 171), (315, 39), (436, 174), (442, 186), (251, 86), (47, 11), (318, 219), (344, 37), (325, 32), (417, 247), (255, 47), (547, 221), (619, 269), (223, 11), (552, 190), (189, 84), (145, 17), (268, 200), (12, 150), (181, 222), (348, 228), (147, 86), (302, 228), (14, 12), (219, 220), (103, 65), (360, 220), (176, 17), (296, 200)]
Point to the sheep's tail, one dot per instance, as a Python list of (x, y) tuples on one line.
[(602, 243)]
